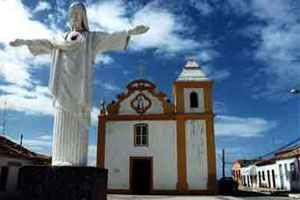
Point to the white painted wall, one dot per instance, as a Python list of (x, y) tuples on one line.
[(119, 146), (187, 106), (285, 178), (265, 169), (156, 104), (245, 172), (196, 151), (13, 171)]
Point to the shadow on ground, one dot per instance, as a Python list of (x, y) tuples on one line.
[(245, 193)]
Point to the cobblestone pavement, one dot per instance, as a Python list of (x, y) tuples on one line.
[(266, 198), (157, 197), (137, 197)]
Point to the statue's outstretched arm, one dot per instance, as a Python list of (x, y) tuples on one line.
[(18, 42), (36, 47), (138, 30), (116, 41)]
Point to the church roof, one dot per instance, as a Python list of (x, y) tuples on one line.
[(192, 72)]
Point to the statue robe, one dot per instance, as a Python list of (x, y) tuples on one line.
[(71, 84)]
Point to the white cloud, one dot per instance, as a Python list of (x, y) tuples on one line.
[(164, 26), (14, 68), (111, 87), (277, 41), (94, 116), (205, 57), (35, 101), (233, 126), (16, 23), (17, 64), (202, 6), (103, 59), (41, 144), (163, 33), (92, 155), (42, 5), (275, 33), (127, 72), (220, 74), (108, 16), (219, 107)]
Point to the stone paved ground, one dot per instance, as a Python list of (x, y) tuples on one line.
[(240, 196), (137, 197), (157, 197)]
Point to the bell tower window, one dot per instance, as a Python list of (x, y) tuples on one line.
[(194, 100)]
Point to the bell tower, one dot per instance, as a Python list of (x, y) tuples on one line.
[(192, 90), (196, 162)]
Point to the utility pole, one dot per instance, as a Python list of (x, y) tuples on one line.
[(4, 119), (21, 140), (223, 162)]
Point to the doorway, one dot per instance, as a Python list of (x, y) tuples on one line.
[(3, 178), (269, 180), (141, 174), (273, 177)]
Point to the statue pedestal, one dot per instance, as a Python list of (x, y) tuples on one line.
[(62, 183)]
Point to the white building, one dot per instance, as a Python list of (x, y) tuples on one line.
[(281, 172), (151, 146), (267, 173), (288, 167), (12, 157)]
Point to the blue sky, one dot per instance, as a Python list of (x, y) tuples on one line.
[(250, 48)]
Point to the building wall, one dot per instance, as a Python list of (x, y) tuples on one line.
[(236, 169), (187, 106), (126, 109), (284, 177), (245, 174), (265, 169), (196, 154), (119, 147), (250, 176), (13, 170)]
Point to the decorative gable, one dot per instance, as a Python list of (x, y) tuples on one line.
[(141, 103), (141, 99)]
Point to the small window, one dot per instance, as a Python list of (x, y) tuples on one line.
[(263, 175), (141, 135), (194, 100), (286, 171), (293, 171)]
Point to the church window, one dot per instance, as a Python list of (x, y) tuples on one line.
[(194, 100), (141, 135)]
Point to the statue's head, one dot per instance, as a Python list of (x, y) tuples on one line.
[(78, 16)]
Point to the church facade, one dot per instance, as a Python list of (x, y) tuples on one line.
[(151, 146)]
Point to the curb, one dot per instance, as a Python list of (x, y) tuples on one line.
[(295, 196)]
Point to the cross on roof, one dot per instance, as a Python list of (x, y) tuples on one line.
[(140, 69), (189, 57)]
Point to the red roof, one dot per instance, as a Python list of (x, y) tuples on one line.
[(11, 149), (265, 162), (292, 151)]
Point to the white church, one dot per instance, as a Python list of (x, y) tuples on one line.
[(151, 146)]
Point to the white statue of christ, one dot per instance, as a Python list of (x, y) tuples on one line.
[(71, 79)]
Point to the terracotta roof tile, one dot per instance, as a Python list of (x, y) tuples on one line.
[(14, 150)]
